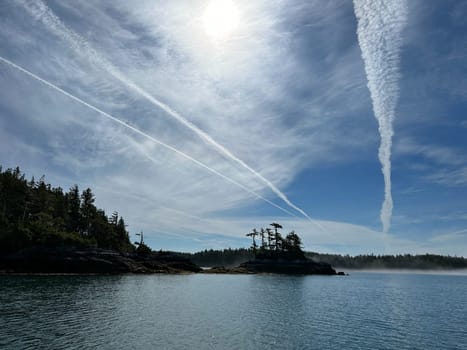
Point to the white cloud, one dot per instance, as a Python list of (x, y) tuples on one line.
[(379, 32), (452, 178), (435, 153), (282, 102), (444, 165)]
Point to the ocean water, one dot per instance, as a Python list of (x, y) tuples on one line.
[(360, 311)]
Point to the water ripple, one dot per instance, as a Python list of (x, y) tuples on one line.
[(385, 311)]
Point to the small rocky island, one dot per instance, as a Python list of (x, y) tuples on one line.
[(277, 254)]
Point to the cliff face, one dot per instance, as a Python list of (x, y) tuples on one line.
[(70, 260), (285, 266)]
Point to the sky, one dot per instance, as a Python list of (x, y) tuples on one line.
[(200, 120)]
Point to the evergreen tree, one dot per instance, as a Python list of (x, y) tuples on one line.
[(34, 213), (87, 210), (253, 234), (74, 206)]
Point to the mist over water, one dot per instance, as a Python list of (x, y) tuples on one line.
[(363, 310)]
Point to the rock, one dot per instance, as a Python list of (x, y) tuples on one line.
[(227, 270), (92, 260), (290, 267), (168, 261)]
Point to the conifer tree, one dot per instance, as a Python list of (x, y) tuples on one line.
[(74, 206)]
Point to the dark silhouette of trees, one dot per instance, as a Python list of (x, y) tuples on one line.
[(293, 243), (263, 242), (271, 244), (226, 257), (34, 213), (405, 261), (141, 247), (87, 210), (277, 247), (73, 206), (234, 257), (253, 234)]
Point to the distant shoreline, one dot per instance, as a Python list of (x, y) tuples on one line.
[(234, 257)]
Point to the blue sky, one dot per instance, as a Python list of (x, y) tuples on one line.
[(276, 111)]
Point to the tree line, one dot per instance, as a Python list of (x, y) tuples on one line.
[(234, 257), (225, 257), (402, 261), (33, 213)]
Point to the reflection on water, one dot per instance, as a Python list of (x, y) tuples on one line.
[(364, 310)]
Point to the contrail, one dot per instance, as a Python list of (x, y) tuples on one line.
[(41, 11), (380, 25), (137, 131)]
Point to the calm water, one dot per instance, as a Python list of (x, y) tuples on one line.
[(361, 311)]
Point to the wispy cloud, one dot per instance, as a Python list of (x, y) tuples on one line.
[(286, 93), (380, 26), (450, 178), (443, 165), (438, 154), (141, 133), (41, 12)]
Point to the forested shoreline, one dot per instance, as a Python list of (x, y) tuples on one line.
[(44, 229), (35, 214), (233, 257)]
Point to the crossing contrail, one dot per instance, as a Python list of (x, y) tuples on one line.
[(41, 11), (141, 133), (380, 26)]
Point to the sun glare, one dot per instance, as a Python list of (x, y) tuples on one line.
[(220, 18)]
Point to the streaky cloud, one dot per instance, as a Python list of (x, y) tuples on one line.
[(41, 11), (380, 26), (141, 133)]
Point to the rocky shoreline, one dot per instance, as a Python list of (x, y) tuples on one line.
[(93, 261), (278, 266), (283, 266), (60, 260)]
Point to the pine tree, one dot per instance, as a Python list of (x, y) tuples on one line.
[(74, 206), (87, 211)]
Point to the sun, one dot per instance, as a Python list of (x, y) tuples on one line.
[(220, 18)]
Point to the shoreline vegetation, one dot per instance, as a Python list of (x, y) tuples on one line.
[(233, 257), (44, 229)]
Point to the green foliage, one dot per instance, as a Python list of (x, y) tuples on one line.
[(33, 213)]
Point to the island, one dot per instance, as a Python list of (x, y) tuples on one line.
[(277, 254), (231, 258)]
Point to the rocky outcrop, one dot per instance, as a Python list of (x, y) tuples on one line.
[(70, 260), (102, 261), (279, 266), (227, 270)]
